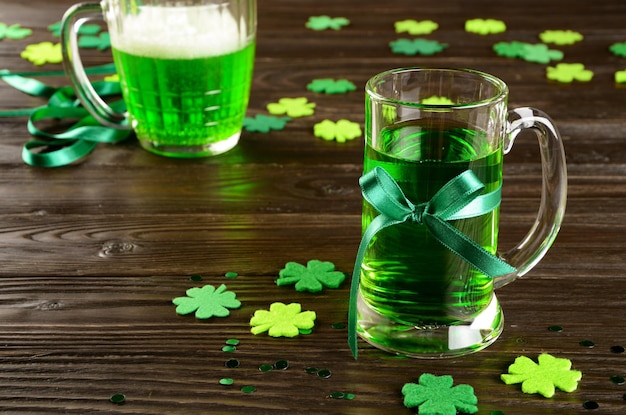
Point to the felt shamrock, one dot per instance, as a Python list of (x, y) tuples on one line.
[(414, 27), (543, 377), (485, 26), (326, 22), (44, 52), (510, 49), (618, 49), (207, 302), (331, 86), (540, 53), (101, 42), (85, 29), (620, 77), (264, 123), (14, 31), (112, 78), (560, 37), (341, 131), (282, 320), (316, 275), (569, 72), (416, 46), (435, 100), (292, 107), (435, 395)]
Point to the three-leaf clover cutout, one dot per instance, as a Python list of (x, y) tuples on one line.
[(416, 46), (543, 377), (414, 27), (326, 22), (264, 123), (331, 86), (341, 131), (435, 395), (316, 275), (207, 302), (14, 31), (282, 320), (292, 107)]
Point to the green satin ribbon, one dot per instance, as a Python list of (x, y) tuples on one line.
[(460, 198), (82, 137)]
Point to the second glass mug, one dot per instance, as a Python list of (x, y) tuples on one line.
[(414, 293), (185, 68)]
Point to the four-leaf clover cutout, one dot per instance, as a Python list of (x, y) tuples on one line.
[(44, 52), (485, 26), (264, 123), (207, 302), (331, 86), (560, 37), (569, 72), (435, 395), (544, 376), (282, 320), (416, 46), (14, 31), (341, 131), (292, 107), (316, 275), (326, 22), (413, 27)]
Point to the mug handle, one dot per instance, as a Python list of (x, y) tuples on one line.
[(73, 19), (542, 234)]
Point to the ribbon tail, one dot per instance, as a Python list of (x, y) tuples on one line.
[(466, 248)]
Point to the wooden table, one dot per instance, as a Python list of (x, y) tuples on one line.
[(92, 254)]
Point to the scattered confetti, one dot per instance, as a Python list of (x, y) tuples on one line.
[(265, 367), (231, 274), (618, 380), (435, 100), (226, 381), (569, 72), (331, 86), (229, 349), (420, 46), (41, 53), (292, 107), (435, 395), (264, 123), (232, 342), (324, 373), (560, 37), (195, 277), (340, 131), (118, 398), (282, 320), (618, 49), (326, 22), (587, 343), (232, 363), (248, 389), (590, 405), (207, 302), (312, 278), (342, 395), (557, 329), (414, 27), (14, 31), (485, 26), (100, 42), (617, 349), (543, 377), (281, 365)]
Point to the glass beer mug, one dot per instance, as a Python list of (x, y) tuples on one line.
[(428, 264)]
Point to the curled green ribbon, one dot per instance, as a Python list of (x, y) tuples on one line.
[(459, 198)]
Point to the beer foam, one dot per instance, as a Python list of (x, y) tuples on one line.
[(178, 32)]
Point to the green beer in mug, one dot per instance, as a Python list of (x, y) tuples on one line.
[(419, 294), (185, 69)]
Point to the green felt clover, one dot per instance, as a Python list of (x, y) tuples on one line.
[(416, 46), (264, 123), (620, 77), (542, 378), (341, 131), (331, 86), (435, 100), (510, 49), (312, 278), (326, 22), (485, 26), (282, 320), (292, 107), (85, 29), (414, 27), (14, 31), (435, 395), (100, 42), (44, 52), (618, 49), (539, 53), (569, 72), (207, 302), (560, 37)]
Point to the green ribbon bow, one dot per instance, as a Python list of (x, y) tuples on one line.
[(78, 140), (459, 198)]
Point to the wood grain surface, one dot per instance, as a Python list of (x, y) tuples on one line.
[(91, 255)]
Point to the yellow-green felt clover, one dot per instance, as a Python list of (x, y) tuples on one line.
[(341, 131), (44, 52), (292, 107), (282, 320), (569, 72)]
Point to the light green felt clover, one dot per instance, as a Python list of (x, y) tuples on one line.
[(560, 37), (569, 72), (435, 100), (282, 320), (14, 31), (44, 52), (435, 395), (485, 26), (414, 27), (264, 123), (418, 46), (341, 131), (312, 278), (207, 302), (620, 77), (542, 378), (326, 22), (331, 86), (292, 107)]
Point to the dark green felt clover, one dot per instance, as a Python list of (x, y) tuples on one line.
[(86, 29), (264, 123), (618, 49), (510, 49), (326, 22), (312, 278), (419, 46), (207, 302), (100, 42), (435, 395), (540, 53), (331, 86)]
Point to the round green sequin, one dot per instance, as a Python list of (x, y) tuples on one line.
[(324, 373), (281, 365), (231, 274), (337, 395), (195, 277), (618, 380), (118, 398), (557, 329), (587, 343), (232, 342), (248, 389), (226, 381), (349, 396), (229, 349), (266, 367), (311, 370), (339, 325), (305, 331), (232, 363)]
